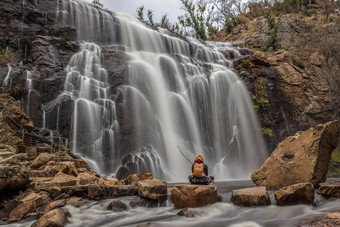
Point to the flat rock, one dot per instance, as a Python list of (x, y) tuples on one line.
[(152, 189), (330, 189), (134, 178), (55, 218), (302, 193), (303, 157), (191, 195), (42, 159), (256, 196)]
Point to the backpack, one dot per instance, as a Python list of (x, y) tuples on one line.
[(198, 170)]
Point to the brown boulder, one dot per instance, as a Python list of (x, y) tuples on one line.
[(303, 157), (38, 199), (302, 193), (21, 210), (119, 191), (62, 180), (75, 201), (54, 218), (152, 189), (54, 192), (42, 159), (330, 189), (55, 204), (110, 182), (256, 196), (94, 192), (191, 195), (85, 179), (134, 178), (117, 206)]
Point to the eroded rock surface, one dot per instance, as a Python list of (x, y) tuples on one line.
[(153, 189), (302, 193), (256, 196), (330, 189), (303, 157), (190, 195)]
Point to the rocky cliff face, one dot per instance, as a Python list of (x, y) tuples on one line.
[(293, 75), (39, 46)]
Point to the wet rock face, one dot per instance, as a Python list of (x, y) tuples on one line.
[(117, 206), (303, 157), (56, 218), (189, 195), (256, 196), (330, 190), (302, 193), (153, 189)]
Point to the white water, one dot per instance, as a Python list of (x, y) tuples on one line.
[(7, 80), (180, 93), (29, 87), (94, 125)]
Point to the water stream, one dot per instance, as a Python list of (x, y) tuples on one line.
[(223, 213)]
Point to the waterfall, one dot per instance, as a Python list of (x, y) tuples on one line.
[(94, 126), (93, 24), (7, 78), (179, 92), (29, 87)]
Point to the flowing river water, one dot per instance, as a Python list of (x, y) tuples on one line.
[(223, 213)]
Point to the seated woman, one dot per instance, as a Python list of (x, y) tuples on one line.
[(200, 172)]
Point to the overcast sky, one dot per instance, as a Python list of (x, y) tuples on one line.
[(159, 7)]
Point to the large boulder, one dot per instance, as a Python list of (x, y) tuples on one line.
[(256, 196), (302, 193), (303, 157), (193, 195), (55, 218), (153, 189), (330, 189)]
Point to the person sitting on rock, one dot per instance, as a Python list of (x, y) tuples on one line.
[(200, 172)]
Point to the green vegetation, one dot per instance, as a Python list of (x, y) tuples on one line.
[(267, 132), (260, 102), (245, 63), (299, 64), (273, 42), (97, 2), (8, 56), (270, 20), (69, 45), (309, 13), (334, 165)]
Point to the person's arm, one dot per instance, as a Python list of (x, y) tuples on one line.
[(205, 168)]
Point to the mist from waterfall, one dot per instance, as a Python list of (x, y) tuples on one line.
[(181, 93)]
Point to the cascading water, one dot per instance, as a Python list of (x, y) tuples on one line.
[(94, 125), (7, 80), (29, 87), (181, 92)]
